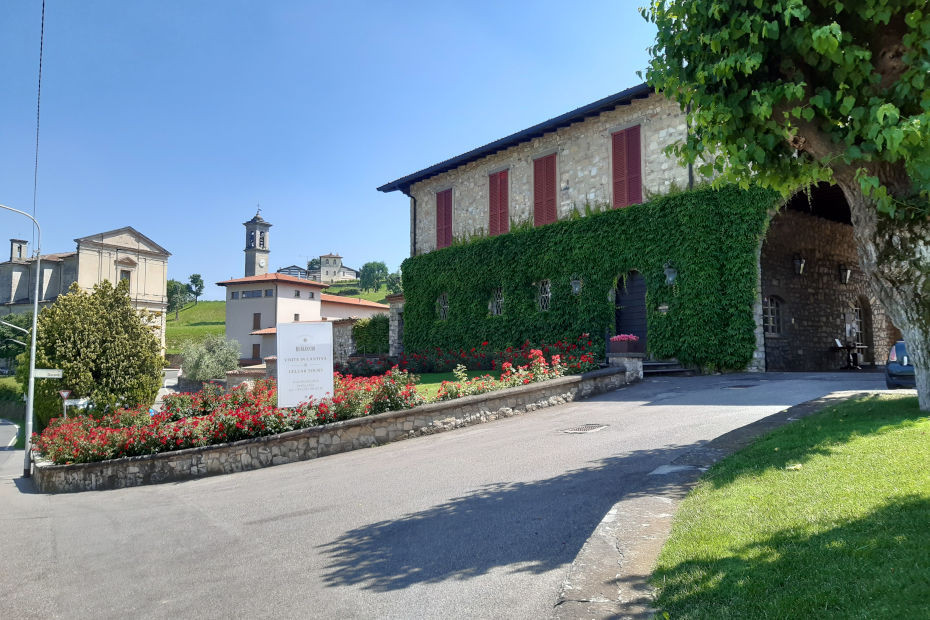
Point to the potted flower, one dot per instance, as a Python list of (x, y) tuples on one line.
[(625, 343)]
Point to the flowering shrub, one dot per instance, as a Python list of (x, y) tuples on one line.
[(577, 356), (211, 417), (624, 338)]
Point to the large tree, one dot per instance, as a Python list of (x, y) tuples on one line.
[(372, 275), (788, 93), (107, 350), (195, 286), (178, 296)]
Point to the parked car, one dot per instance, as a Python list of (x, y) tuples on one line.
[(899, 371)]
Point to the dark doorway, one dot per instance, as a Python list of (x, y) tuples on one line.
[(631, 306)]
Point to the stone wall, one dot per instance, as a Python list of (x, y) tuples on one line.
[(583, 169), (396, 326), (320, 441), (343, 342), (815, 306)]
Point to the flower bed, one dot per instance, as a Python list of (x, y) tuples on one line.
[(210, 417), (577, 356)]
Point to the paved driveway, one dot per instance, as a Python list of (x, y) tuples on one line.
[(481, 522)]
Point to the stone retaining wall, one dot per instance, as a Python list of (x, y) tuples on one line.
[(310, 443)]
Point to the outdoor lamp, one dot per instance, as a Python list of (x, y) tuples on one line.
[(576, 285), (799, 263), (670, 274), (845, 274)]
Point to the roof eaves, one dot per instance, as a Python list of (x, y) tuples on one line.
[(624, 97)]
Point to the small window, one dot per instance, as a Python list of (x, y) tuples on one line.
[(251, 241), (234, 295), (545, 294), (310, 295), (296, 317), (442, 306), (771, 315), (269, 292), (256, 351), (296, 292), (251, 294), (443, 219), (124, 274), (256, 320), (496, 305), (261, 240)]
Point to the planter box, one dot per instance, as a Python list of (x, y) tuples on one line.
[(626, 346)]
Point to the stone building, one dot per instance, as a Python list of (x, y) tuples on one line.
[(332, 270), (121, 254), (610, 153), (259, 301)]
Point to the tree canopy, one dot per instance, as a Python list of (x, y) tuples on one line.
[(12, 341), (106, 349), (178, 296), (372, 275), (790, 92), (195, 286)]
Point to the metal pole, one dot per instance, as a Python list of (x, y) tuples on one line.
[(30, 398)]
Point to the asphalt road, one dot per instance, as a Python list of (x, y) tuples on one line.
[(482, 522)]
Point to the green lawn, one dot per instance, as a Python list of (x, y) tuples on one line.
[(825, 518), (195, 322), (378, 295), (430, 382)]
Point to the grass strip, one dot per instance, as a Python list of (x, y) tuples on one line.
[(826, 517)]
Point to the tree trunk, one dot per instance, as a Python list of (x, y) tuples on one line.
[(894, 255)]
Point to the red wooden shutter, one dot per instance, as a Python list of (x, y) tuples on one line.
[(634, 167), (498, 211), (544, 206), (627, 167), (503, 204), (444, 219)]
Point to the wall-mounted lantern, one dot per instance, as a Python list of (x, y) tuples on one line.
[(670, 274), (576, 285), (799, 263), (845, 273)]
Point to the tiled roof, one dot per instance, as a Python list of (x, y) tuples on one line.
[(351, 301), (274, 277)]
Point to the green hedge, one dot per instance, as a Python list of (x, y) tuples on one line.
[(710, 236), (371, 335)]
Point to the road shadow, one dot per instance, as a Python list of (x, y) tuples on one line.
[(521, 526), (794, 574)]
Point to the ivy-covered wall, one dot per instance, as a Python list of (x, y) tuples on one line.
[(709, 236)]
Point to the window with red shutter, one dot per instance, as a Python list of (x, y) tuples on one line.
[(498, 205), (627, 167), (544, 194), (443, 219)]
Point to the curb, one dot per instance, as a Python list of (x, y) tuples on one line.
[(609, 577)]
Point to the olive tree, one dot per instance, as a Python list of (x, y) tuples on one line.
[(106, 349), (788, 93)]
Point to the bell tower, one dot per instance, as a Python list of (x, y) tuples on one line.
[(256, 245)]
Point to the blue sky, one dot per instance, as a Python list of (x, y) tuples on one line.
[(178, 117)]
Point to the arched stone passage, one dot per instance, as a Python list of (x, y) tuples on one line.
[(811, 287)]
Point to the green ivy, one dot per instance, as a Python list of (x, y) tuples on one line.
[(710, 236), (371, 335)]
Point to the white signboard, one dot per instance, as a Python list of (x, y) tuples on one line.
[(49, 373), (305, 362)]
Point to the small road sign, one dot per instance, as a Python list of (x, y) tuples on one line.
[(77, 402), (49, 373), (64, 394)]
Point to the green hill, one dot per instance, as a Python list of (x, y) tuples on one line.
[(340, 288), (195, 322)]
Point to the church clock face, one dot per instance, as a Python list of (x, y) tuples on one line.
[(261, 262)]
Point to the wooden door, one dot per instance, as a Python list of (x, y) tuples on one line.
[(631, 307)]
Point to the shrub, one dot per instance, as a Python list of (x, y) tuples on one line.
[(371, 335), (349, 292), (107, 350), (209, 358)]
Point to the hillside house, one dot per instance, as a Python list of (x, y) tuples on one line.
[(610, 154)]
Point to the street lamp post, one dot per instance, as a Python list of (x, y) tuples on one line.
[(30, 398)]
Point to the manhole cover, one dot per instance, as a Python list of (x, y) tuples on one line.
[(586, 428), (740, 387)]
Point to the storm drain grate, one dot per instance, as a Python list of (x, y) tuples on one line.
[(742, 386), (586, 428)]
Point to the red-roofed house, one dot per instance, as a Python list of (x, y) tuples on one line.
[(256, 304)]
